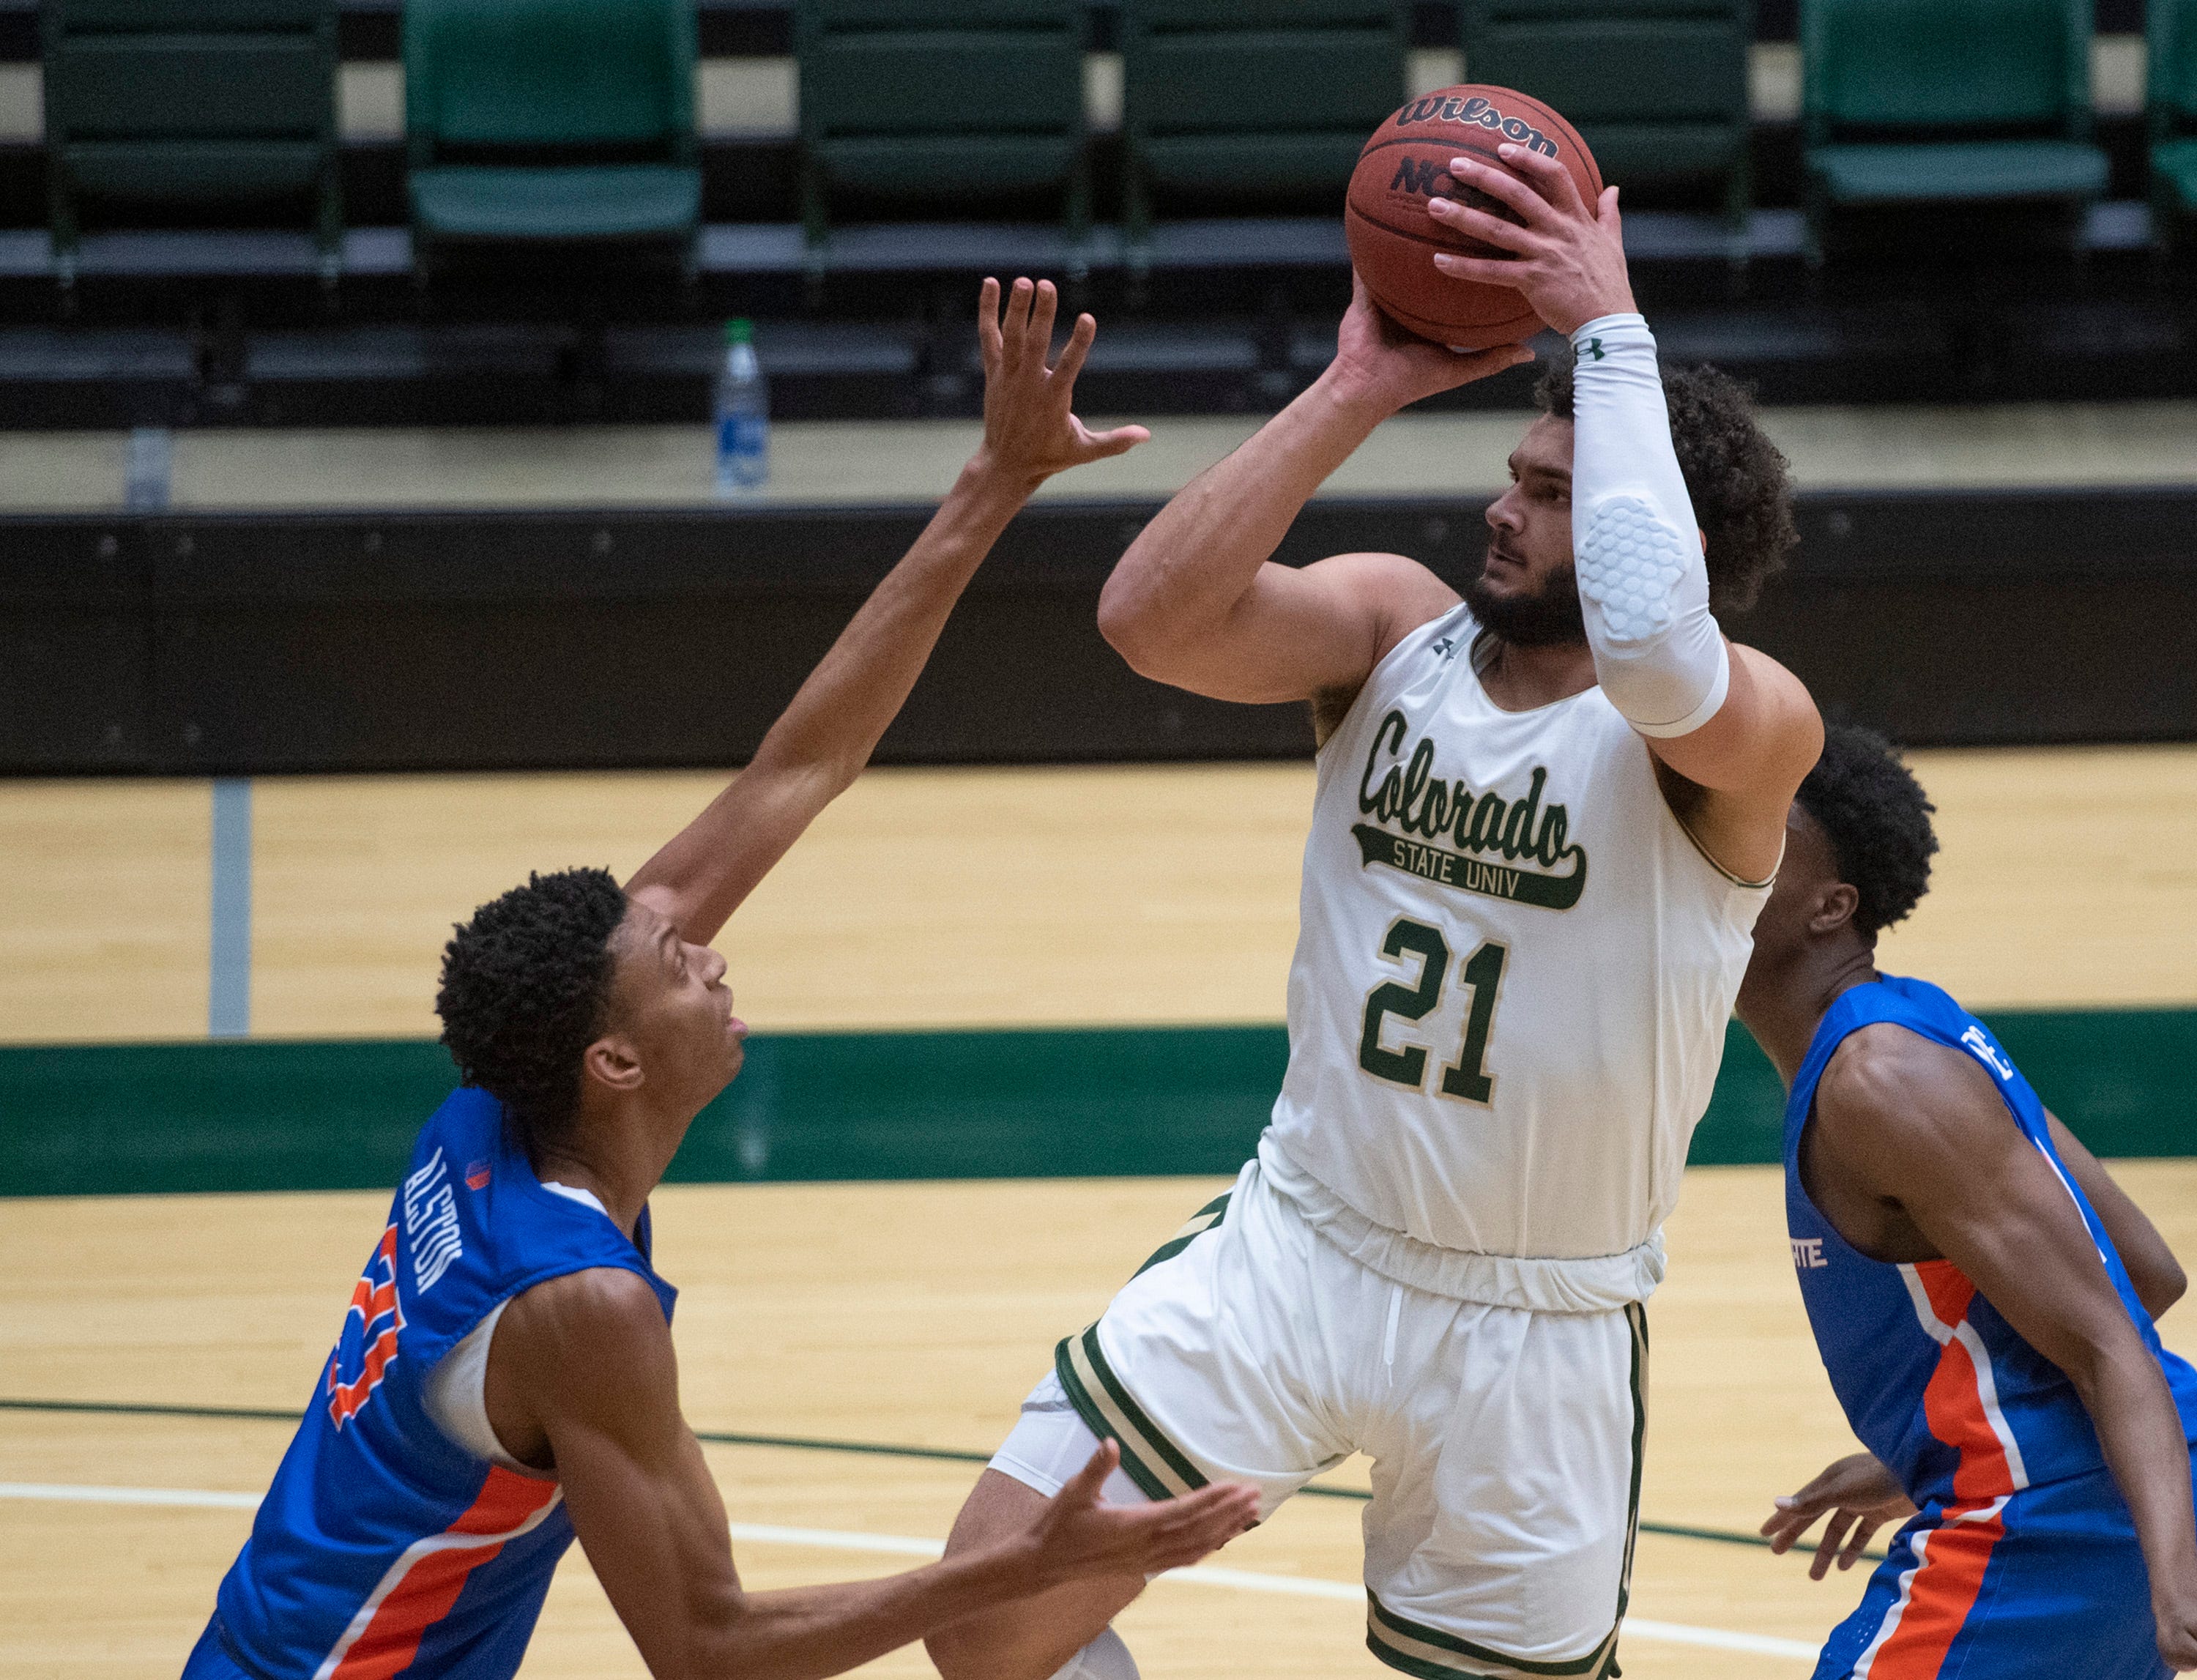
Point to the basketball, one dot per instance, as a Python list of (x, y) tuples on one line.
[(1393, 240)]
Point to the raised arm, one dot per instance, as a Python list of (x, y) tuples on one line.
[(1917, 1124), (582, 1371), (820, 744), (1196, 601), (1729, 720)]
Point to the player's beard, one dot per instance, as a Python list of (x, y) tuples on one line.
[(1550, 615)]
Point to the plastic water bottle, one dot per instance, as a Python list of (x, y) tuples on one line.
[(743, 410), (147, 466)]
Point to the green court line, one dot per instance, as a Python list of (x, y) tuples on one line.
[(267, 1115), (944, 1454)]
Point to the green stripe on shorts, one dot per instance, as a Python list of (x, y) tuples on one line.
[(1204, 1220), (1153, 1463), (1432, 1655), (1636, 1319)]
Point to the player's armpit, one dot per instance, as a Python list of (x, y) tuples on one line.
[(2158, 1276), (1295, 633)]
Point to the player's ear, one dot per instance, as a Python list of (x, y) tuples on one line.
[(613, 1061), (1834, 909)]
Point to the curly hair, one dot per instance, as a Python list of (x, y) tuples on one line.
[(525, 988), (1878, 822), (1740, 481)]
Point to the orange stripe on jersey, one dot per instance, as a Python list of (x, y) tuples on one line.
[(1954, 1402), (1948, 1288), (1920, 1630), (434, 1572)]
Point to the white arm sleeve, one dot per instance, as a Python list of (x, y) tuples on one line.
[(1643, 587)]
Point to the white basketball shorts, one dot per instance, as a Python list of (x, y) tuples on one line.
[(1505, 1443)]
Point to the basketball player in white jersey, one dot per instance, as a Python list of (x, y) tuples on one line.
[(1546, 816)]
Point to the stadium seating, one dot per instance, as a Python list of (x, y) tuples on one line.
[(1917, 101), (1238, 101), (942, 101), (539, 120), (2170, 107), (1656, 87), (212, 103)]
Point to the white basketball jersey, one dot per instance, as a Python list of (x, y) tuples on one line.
[(1513, 968)]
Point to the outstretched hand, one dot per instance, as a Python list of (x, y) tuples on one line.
[(1860, 1496), (1568, 257), (1029, 433), (1078, 1534)]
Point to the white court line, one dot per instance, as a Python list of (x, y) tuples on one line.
[(903, 1545), (128, 1495)]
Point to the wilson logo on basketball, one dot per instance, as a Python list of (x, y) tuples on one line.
[(368, 1341), (1475, 112)]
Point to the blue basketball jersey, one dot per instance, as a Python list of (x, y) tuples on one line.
[(1933, 1381), (384, 1548)]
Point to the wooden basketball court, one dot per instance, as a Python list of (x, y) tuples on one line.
[(909, 1315)]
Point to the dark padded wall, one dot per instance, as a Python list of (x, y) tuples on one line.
[(252, 645)]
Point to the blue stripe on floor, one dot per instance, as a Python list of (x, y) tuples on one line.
[(228, 978)]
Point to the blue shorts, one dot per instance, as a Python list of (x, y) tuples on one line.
[(209, 1659), (2047, 1584)]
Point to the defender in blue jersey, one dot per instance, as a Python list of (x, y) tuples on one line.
[(1981, 1292), (504, 1381)]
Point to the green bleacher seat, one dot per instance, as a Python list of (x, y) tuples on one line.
[(1240, 101), (1920, 101), (951, 102), (209, 104), (2170, 109), (1656, 87), (551, 120)]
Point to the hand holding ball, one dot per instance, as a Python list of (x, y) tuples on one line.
[(1393, 238)]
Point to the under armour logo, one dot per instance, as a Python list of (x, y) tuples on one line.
[(1446, 648), (1593, 348)]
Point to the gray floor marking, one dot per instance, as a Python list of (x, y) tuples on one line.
[(228, 965)]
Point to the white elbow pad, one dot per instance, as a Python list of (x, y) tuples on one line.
[(1644, 586)]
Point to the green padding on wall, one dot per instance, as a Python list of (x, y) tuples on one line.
[(101, 1120), (2120, 1078)]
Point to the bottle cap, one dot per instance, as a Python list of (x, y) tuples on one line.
[(740, 332)]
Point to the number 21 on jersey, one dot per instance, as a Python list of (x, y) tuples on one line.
[(1467, 1078)]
